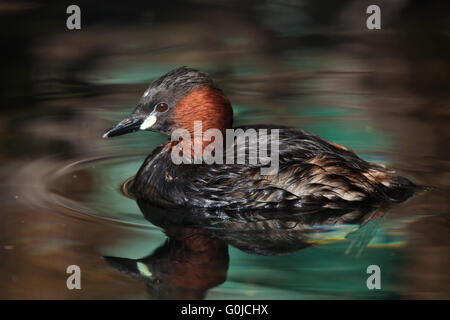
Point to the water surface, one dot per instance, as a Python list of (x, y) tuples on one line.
[(61, 182)]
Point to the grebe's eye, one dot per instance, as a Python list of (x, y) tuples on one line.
[(162, 107)]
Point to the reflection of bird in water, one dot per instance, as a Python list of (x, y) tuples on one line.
[(312, 173), (184, 267), (195, 257), (267, 233)]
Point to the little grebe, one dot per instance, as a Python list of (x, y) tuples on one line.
[(311, 173)]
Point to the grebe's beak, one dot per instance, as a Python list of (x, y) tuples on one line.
[(127, 125)]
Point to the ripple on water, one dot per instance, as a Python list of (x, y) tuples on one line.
[(89, 188)]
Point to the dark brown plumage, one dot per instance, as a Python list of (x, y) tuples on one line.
[(312, 172)]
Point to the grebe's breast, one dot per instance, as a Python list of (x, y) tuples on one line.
[(311, 173)]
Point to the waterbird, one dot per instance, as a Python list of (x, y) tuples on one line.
[(311, 174)]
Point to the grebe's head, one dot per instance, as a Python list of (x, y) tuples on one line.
[(175, 101)]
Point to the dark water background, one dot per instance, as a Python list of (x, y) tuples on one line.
[(308, 64)]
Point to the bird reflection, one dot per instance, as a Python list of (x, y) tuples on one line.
[(185, 266), (195, 258)]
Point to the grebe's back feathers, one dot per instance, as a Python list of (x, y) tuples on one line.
[(312, 174)]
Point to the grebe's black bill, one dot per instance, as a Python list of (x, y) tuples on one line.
[(127, 125)]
